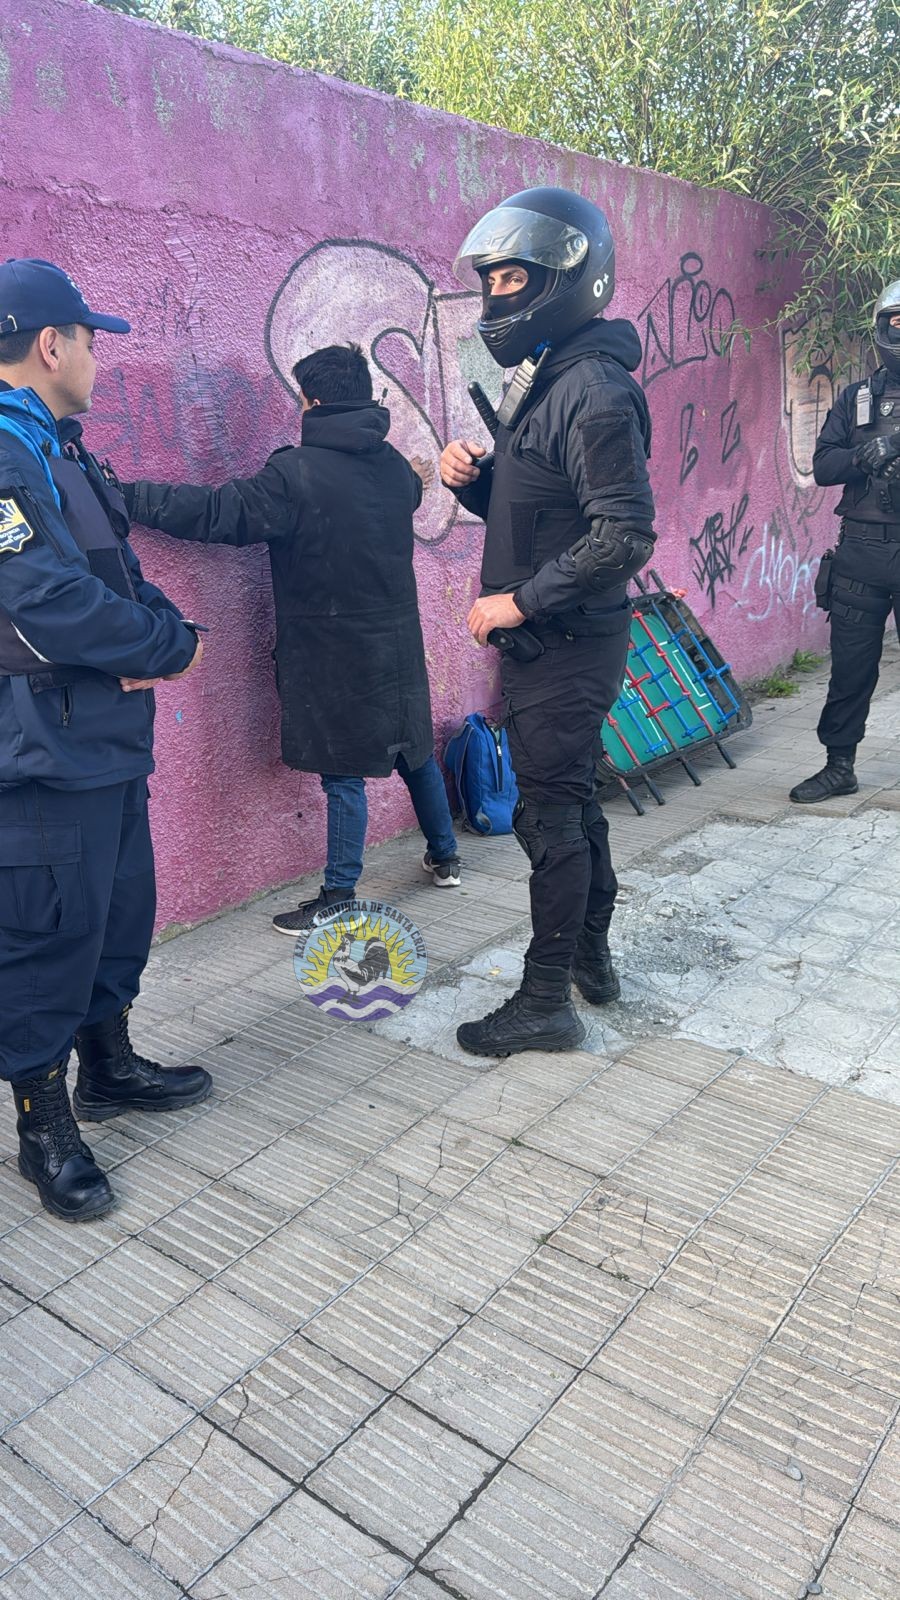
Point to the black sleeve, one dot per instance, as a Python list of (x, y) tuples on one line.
[(245, 511), (476, 497), (833, 455)]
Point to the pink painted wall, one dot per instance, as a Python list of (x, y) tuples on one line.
[(238, 213)]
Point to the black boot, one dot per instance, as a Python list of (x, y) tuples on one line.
[(539, 1016), (836, 777), (592, 969), (51, 1154), (113, 1079)]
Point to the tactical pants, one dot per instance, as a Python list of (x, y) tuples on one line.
[(554, 708), (77, 903), (865, 589)]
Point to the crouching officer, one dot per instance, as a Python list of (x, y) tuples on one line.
[(82, 633), (859, 447), (568, 510)]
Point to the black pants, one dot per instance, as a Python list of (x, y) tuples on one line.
[(554, 709), (77, 903), (865, 590)]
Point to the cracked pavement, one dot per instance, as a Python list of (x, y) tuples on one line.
[(380, 1319)]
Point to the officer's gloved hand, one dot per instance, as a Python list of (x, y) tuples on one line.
[(876, 455)]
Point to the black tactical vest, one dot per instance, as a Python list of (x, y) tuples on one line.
[(94, 512), (874, 500), (533, 515)]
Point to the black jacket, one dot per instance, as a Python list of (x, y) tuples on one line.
[(864, 498), (337, 515), (589, 428)]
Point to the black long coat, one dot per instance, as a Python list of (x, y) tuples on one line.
[(336, 513)]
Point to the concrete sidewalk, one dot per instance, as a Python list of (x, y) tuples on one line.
[(383, 1320)]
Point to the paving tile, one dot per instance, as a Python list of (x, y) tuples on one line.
[(421, 1080), (460, 1255), (649, 1574), (795, 1218), (211, 1230), (293, 1170), (84, 1562), (97, 1428), (296, 1407), (625, 1234), (122, 1292), (402, 1476), (608, 1450), (561, 1304), (676, 1357), (386, 1325), (361, 1122), (440, 1154), (204, 1344), (38, 1356), (31, 1509), (527, 1192), (294, 1274), (372, 1210), (10, 1304), (881, 1491), (843, 1114), (809, 1159), (865, 1563), (489, 1385), (147, 1186), (419, 1588), (857, 1336), (758, 1530), (18, 1199), (585, 1133), (508, 1099), (43, 1253), (523, 1540), (797, 1413), (745, 1282), (785, 1095), (190, 1501), (684, 1060), (303, 1551), (222, 1137)]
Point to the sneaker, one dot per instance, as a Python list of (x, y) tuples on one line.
[(446, 874), (310, 911)]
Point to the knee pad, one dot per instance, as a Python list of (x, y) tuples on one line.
[(540, 827)]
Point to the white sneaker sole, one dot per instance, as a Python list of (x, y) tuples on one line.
[(441, 883)]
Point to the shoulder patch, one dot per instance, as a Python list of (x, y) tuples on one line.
[(15, 529)]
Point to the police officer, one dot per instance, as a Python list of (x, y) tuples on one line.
[(83, 635), (568, 510), (859, 447)]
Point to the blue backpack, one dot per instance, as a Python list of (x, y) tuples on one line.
[(478, 757)]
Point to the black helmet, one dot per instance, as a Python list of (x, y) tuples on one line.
[(887, 339), (568, 239)]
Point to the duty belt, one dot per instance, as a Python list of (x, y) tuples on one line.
[(883, 532)]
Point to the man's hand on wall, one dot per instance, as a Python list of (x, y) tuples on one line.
[(459, 463), (493, 611), (423, 469)]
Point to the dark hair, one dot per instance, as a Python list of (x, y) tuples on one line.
[(337, 375), (16, 347)]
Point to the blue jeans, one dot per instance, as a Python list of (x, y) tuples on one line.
[(348, 816)]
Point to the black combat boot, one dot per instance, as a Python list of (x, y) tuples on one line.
[(51, 1154), (539, 1016), (836, 777), (113, 1079), (592, 969)]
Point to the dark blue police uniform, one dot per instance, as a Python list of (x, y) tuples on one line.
[(77, 889)]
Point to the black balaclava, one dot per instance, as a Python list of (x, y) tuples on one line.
[(497, 306), (889, 345)]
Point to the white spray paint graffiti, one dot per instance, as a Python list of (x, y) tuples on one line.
[(776, 575)]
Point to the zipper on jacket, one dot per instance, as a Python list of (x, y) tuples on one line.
[(66, 705), (498, 743)]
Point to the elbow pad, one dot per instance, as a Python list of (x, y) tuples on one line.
[(611, 553)]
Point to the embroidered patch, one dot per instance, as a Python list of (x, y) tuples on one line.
[(15, 530)]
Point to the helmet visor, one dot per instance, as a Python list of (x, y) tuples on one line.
[(510, 233)]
